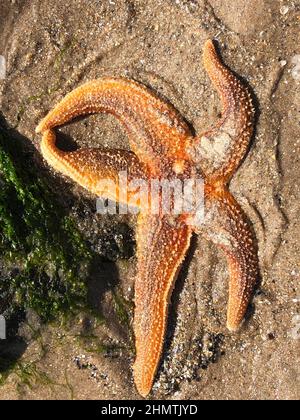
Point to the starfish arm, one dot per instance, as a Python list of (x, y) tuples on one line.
[(227, 226), (220, 150), (162, 245), (154, 127), (96, 170)]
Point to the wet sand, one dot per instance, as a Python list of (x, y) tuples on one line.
[(50, 48)]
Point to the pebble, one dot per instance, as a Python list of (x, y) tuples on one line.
[(2, 67), (296, 70), (294, 273), (284, 10), (83, 364)]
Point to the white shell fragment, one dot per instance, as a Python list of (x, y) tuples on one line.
[(2, 67), (296, 70)]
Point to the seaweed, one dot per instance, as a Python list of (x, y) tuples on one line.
[(45, 265), (122, 308), (47, 256)]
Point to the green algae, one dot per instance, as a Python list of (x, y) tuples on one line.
[(91, 343), (46, 254), (29, 375), (122, 308), (44, 263)]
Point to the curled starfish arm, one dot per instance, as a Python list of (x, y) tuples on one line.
[(220, 150), (162, 245), (154, 127), (96, 170), (227, 226)]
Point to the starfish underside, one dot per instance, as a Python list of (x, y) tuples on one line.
[(163, 147)]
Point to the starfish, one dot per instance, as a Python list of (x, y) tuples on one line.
[(163, 147)]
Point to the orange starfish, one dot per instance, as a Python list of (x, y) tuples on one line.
[(164, 148)]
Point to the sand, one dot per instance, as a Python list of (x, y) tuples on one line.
[(51, 47)]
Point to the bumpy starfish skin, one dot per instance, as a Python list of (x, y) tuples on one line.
[(88, 167), (155, 129), (220, 150), (227, 227), (164, 148), (161, 247)]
